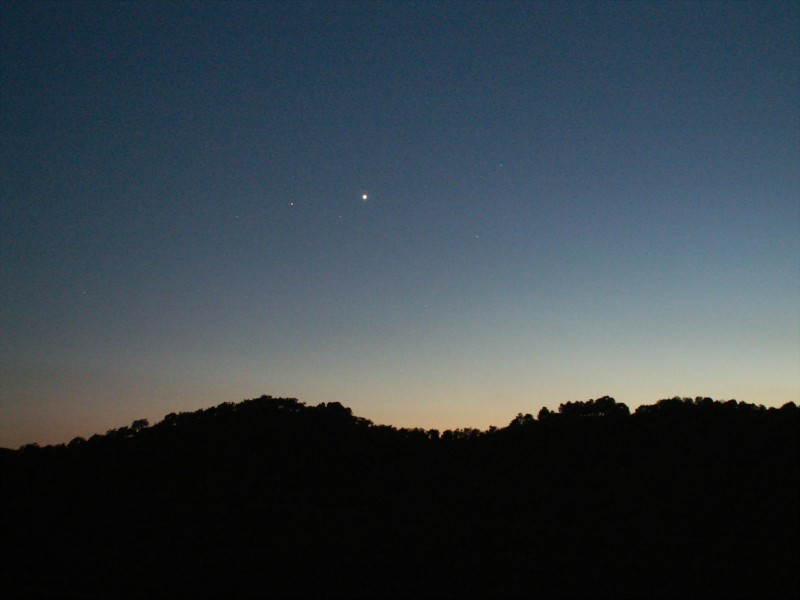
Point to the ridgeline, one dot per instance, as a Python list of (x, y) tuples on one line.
[(270, 498)]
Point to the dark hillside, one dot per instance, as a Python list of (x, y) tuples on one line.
[(273, 498)]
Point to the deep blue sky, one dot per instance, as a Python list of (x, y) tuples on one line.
[(565, 200)]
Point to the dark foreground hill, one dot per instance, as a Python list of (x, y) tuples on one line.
[(273, 498)]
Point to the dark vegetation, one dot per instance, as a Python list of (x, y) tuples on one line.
[(273, 498)]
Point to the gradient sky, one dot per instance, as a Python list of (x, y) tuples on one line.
[(565, 200)]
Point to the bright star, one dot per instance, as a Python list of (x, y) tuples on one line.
[(364, 197)]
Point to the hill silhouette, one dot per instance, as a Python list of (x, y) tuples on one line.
[(273, 498)]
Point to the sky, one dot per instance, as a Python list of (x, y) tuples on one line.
[(564, 200)]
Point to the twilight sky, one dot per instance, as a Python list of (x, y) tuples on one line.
[(564, 200)]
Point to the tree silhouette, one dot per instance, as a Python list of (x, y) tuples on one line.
[(602, 407), (270, 497)]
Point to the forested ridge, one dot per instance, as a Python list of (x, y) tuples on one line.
[(273, 498)]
